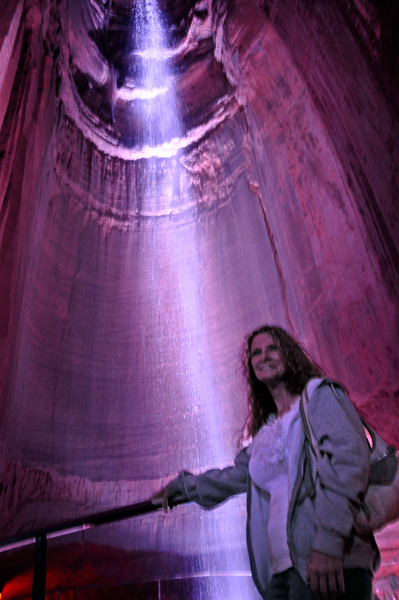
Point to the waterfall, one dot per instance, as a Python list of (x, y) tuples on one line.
[(155, 95)]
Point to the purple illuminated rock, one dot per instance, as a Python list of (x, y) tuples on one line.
[(130, 274)]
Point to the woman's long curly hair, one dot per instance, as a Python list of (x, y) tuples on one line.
[(299, 368)]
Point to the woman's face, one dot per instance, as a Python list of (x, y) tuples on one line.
[(266, 362)]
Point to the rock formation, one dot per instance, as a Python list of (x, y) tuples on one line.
[(132, 268)]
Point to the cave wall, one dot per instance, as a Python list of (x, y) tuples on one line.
[(334, 165), (123, 309)]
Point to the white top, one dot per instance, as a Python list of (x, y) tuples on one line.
[(268, 468)]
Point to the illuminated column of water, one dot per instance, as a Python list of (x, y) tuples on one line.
[(158, 100), (173, 289), (174, 278)]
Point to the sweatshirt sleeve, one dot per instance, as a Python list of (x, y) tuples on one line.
[(212, 487), (343, 467)]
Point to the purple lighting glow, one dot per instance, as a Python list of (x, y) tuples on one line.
[(174, 174)]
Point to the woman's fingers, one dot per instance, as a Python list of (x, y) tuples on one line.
[(326, 576), (332, 587), (323, 586), (165, 499), (314, 585), (160, 499), (340, 582)]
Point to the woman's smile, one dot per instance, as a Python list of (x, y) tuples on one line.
[(266, 361)]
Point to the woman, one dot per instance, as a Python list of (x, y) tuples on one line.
[(301, 538)]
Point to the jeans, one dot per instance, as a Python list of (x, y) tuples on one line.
[(289, 585)]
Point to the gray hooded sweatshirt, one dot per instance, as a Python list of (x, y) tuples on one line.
[(321, 514)]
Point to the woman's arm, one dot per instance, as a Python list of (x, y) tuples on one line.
[(212, 487)]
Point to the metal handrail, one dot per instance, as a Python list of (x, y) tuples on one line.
[(40, 536)]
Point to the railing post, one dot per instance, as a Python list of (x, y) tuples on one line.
[(40, 568)]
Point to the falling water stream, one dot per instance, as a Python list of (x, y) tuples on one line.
[(174, 278), (173, 291), (157, 99)]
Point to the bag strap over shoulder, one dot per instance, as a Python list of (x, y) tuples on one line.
[(307, 428), (368, 431), (308, 390)]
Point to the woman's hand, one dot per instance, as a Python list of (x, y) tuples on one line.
[(161, 498), (326, 576)]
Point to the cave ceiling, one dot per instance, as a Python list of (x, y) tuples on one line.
[(102, 69), (106, 70)]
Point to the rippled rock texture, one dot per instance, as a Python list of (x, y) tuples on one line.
[(131, 269)]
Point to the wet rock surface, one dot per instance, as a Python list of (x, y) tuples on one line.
[(130, 273)]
